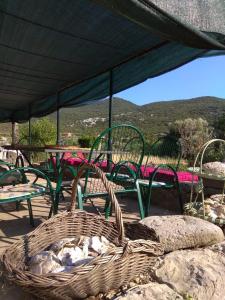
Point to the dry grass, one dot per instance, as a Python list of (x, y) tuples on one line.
[(156, 160)]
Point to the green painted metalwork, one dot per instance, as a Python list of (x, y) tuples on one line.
[(41, 188), (147, 186), (126, 155), (165, 154), (6, 167), (6, 163), (60, 186)]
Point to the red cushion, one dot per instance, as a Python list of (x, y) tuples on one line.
[(186, 176), (167, 175), (67, 155), (80, 154), (75, 161)]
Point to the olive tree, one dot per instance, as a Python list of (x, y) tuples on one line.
[(193, 133), (43, 131)]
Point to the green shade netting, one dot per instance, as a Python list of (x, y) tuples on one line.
[(60, 53)]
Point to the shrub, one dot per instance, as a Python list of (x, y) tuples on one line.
[(86, 141), (219, 126), (193, 133), (43, 132)]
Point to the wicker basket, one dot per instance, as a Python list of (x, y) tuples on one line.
[(105, 272)]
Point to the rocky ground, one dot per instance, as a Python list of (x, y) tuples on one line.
[(182, 273), (193, 266)]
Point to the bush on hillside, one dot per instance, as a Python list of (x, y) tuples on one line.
[(86, 141), (43, 132), (193, 133)]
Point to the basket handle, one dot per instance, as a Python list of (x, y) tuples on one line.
[(107, 185)]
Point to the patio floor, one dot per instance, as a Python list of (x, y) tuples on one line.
[(14, 224)]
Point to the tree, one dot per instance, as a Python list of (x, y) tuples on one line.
[(193, 133), (219, 126), (43, 132)]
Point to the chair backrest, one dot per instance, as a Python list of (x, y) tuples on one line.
[(118, 148), (167, 151), (118, 144)]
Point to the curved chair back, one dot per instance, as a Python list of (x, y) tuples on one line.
[(116, 145), (119, 152)]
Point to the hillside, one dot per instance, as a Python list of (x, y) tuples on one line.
[(152, 118)]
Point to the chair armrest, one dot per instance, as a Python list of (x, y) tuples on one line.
[(124, 164), (7, 164), (160, 167)]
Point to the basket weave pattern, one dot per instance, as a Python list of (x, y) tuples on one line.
[(105, 272)]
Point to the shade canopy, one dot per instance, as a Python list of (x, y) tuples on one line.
[(59, 53)]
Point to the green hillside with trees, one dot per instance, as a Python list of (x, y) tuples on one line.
[(153, 118)]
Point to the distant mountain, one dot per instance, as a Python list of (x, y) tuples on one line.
[(98, 109), (152, 118)]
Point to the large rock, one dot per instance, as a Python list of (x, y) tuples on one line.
[(196, 273), (218, 247), (181, 232), (149, 291), (215, 168)]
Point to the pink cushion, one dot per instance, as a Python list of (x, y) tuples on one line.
[(81, 155), (167, 175), (75, 161), (67, 155), (103, 166), (186, 177), (161, 175)]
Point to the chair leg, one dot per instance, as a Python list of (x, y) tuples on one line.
[(17, 205), (148, 199), (107, 208), (62, 196), (30, 212), (79, 197), (180, 199), (140, 202), (50, 212), (55, 206)]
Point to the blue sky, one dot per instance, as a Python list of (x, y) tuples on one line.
[(202, 77)]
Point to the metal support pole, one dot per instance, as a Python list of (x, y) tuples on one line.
[(29, 131), (29, 126), (110, 96), (57, 122), (13, 133), (109, 156)]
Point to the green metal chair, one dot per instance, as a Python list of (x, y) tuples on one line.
[(119, 152), (64, 184), (160, 170), (5, 165), (26, 188), (11, 177)]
